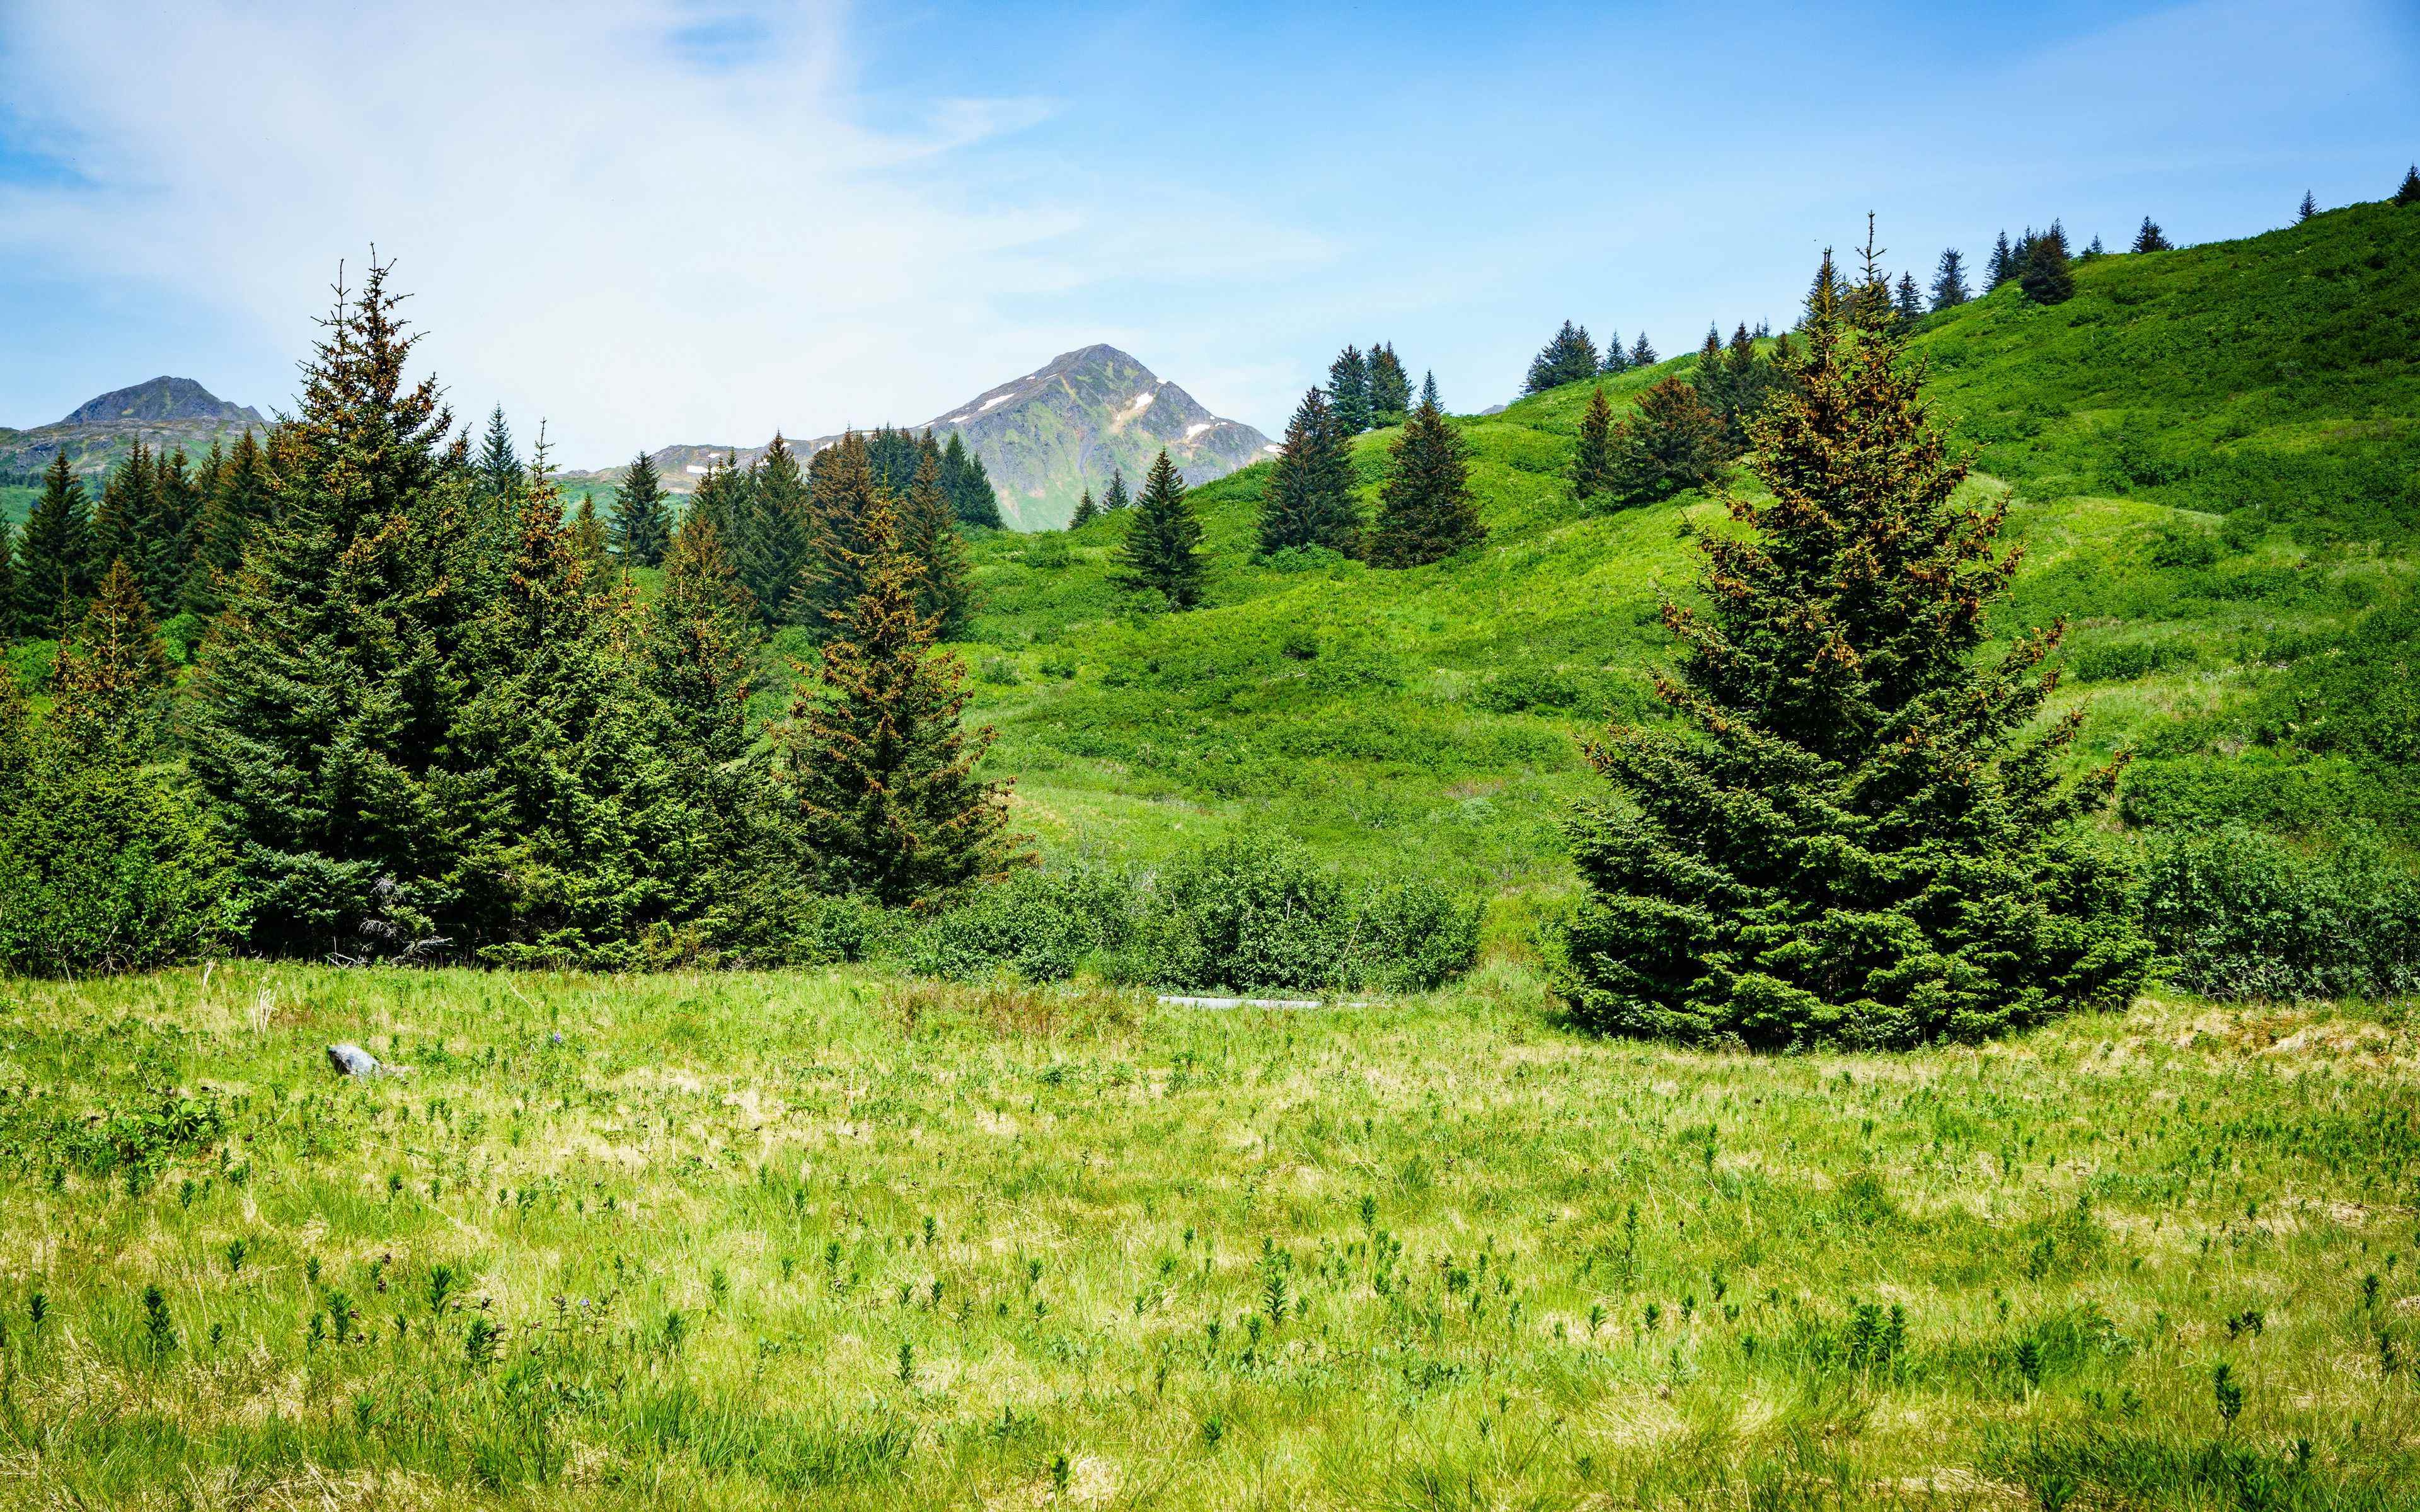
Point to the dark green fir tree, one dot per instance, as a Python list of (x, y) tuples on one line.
[(1116, 497), (1907, 301), (1569, 358), (1348, 390), (1949, 281), (1086, 512), (1847, 834), (774, 542), (2151, 238), (1643, 352), (236, 500), (54, 554), (2048, 277), (643, 527), (1390, 387), (2409, 194), (2003, 266), (968, 486), (1428, 391), (845, 495), (497, 465), (2309, 208), (929, 532), (1309, 500), (1593, 464), (1425, 509), (1673, 441), (1161, 557)]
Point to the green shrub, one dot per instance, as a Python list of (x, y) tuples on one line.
[(1412, 936), (105, 869), (1253, 914), (2237, 914), (1040, 925)]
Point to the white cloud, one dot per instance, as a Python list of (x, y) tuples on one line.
[(640, 219)]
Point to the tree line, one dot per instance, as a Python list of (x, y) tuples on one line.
[(429, 720)]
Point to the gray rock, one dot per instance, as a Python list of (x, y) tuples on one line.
[(353, 1060)]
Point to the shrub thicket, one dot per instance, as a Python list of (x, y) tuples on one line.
[(2238, 914)]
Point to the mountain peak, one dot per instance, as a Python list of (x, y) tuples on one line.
[(158, 400)]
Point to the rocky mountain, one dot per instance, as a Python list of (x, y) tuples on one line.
[(1048, 436), (165, 413)]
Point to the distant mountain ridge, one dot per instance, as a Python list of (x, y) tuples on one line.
[(163, 413), (1046, 437)]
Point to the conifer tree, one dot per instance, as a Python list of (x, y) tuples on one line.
[(1390, 387), (1949, 281), (929, 533), (2096, 250), (10, 597), (1116, 497), (2003, 266), (2151, 238), (1425, 509), (1348, 390), (844, 496), (699, 665), (110, 676), (1908, 304), (1712, 376), (1848, 840), (54, 554), (1671, 442), (1593, 464), (1643, 352), (130, 511), (1161, 555), (774, 545), (642, 519), (1428, 391), (2409, 194), (1568, 359), (1086, 512), (967, 482), (236, 499), (880, 770), (589, 540), (2048, 278), (721, 497), (1615, 359), (1309, 500), (499, 467), (2309, 208), (324, 690)]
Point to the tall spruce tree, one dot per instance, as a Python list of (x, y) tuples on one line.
[(1593, 464), (111, 676), (498, 466), (642, 519), (929, 532), (2409, 194), (1428, 391), (967, 482), (1425, 509), (1348, 390), (1907, 301), (1116, 497), (54, 555), (700, 647), (1643, 352), (2151, 238), (1161, 555), (1849, 837), (1390, 387), (721, 497), (130, 511), (1309, 500), (2309, 208), (237, 500), (1569, 358), (1086, 512), (2003, 266), (2048, 278), (845, 497), (324, 690), (1672, 441), (1949, 281), (880, 769), (774, 545)]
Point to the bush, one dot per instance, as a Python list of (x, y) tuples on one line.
[(1413, 936), (104, 869), (1041, 925), (1251, 914), (2237, 914)]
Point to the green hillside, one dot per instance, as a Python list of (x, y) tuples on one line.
[(2214, 476)]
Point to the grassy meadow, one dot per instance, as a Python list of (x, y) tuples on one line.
[(737, 1242)]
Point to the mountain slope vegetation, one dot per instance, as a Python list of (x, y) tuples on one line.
[(2210, 471)]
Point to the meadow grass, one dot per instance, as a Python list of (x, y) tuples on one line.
[(843, 1239)]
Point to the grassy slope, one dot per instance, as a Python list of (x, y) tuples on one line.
[(2213, 464), (1061, 1208)]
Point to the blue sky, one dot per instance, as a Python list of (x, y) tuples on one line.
[(647, 221)]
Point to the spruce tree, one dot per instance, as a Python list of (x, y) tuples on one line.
[(1593, 464), (1908, 303), (880, 771), (2096, 250), (1348, 390), (1615, 359), (774, 545), (1568, 359), (1671, 442), (1390, 387), (2048, 278), (130, 511), (54, 555), (968, 484), (498, 466), (1161, 555), (1309, 500), (1086, 512), (1847, 838), (1711, 376), (1116, 497), (589, 539), (111, 676), (642, 519), (236, 501), (2309, 208), (845, 497), (1643, 352), (2151, 238), (721, 497), (2003, 266), (1428, 391), (9, 598), (324, 690), (2409, 194), (701, 648), (1425, 509), (1949, 281), (929, 532)]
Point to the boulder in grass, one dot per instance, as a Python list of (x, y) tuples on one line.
[(353, 1060)]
